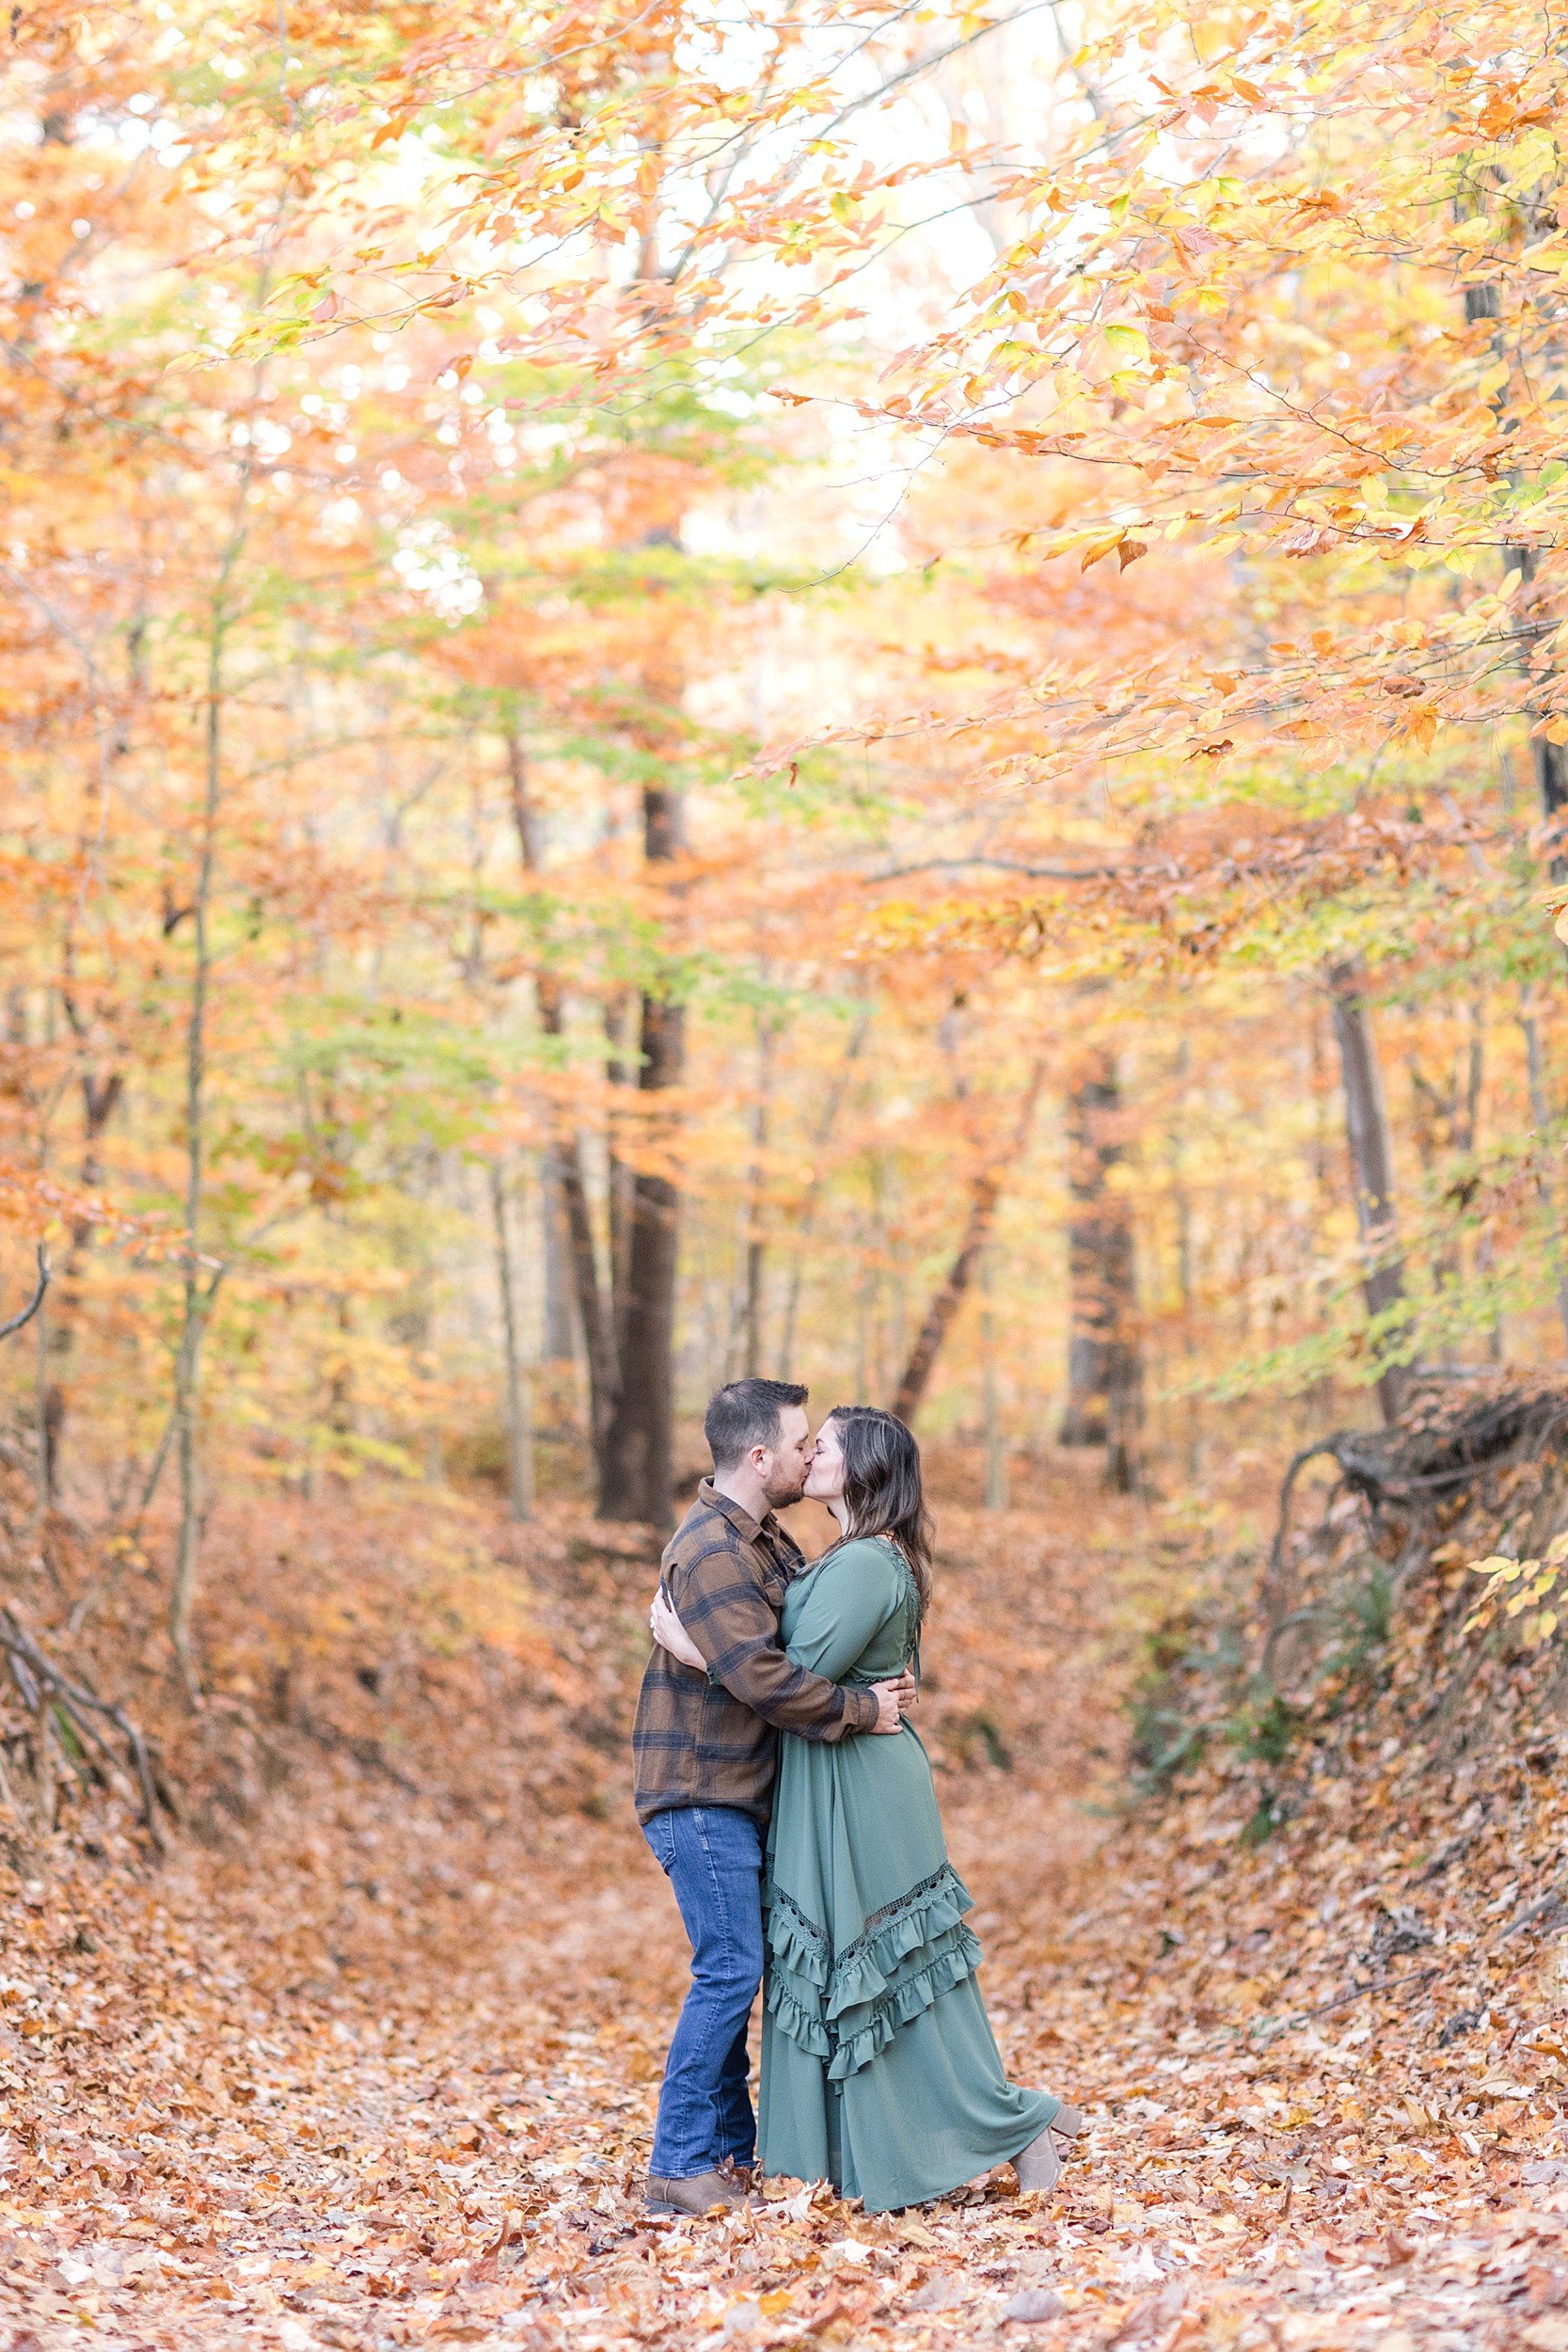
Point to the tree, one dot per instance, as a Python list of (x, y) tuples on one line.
[(1372, 1156), (984, 1194), (1105, 1376)]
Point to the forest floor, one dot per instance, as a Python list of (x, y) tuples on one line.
[(370, 2059)]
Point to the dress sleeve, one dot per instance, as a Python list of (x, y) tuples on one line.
[(851, 1599), (729, 1617)]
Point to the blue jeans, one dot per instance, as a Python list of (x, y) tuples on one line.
[(712, 1856)]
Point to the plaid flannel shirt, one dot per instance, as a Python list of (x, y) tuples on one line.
[(712, 1739)]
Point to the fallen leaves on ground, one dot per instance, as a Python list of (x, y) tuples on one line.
[(379, 2068)]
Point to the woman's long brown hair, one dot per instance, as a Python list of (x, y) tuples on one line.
[(884, 1494)]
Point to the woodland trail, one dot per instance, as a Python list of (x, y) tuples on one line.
[(381, 2070)]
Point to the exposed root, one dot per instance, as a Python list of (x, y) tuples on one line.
[(54, 1698)]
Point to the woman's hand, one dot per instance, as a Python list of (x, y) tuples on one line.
[(668, 1632)]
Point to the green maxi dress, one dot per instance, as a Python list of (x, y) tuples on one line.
[(879, 2070)]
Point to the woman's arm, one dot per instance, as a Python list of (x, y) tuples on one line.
[(668, 1632), (849, 1599)]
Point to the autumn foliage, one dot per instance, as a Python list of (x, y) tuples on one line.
[(875, 695)]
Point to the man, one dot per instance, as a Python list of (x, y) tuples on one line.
[(704, 1748)]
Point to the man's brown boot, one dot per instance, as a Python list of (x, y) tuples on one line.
[(696, 2196)]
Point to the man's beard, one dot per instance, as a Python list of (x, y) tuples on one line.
[(781, 1494)]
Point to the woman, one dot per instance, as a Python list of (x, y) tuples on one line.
[(879, 2070)]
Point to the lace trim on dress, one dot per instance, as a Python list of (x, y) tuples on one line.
[(916, 1900), (845, 2006)]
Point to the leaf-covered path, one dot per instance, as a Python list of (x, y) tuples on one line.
[(381, 2072)]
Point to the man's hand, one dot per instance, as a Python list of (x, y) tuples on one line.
[(892, 1698)]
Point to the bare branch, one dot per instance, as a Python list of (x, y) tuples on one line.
[(33, 1304)]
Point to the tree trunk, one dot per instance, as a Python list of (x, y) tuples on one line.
[(197, 1298), (1105, 1401), (628, 1323), (44, 1430), (1549, 760), (806, 1224), (996, 1491), (519, 1420), (985, 1191), (1371, 1157), (1540, 1113), (1185, 1267), (560, 1328), (101, 1094), (621, 1072), (102, 1083), (1443, 1112), (566, 1153), (756, 1247), (636, 1468)]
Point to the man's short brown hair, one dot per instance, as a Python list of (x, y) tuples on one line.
[(747, 1413)]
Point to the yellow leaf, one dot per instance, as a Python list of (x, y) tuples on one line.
[(771, 2305)]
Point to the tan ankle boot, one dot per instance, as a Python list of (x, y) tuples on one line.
[(1039, 2166), (697, 2196)]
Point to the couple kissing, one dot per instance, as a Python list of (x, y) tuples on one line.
[(792, 1808)]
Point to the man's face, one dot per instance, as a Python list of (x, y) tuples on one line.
[(784, 1466)]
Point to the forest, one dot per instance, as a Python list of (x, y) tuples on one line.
[(875, 694)]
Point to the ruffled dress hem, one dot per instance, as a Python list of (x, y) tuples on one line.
[(846, 2008)]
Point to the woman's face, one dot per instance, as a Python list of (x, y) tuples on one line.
[(824, 1478)]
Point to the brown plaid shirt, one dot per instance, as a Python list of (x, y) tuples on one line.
[(712, 1739)]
